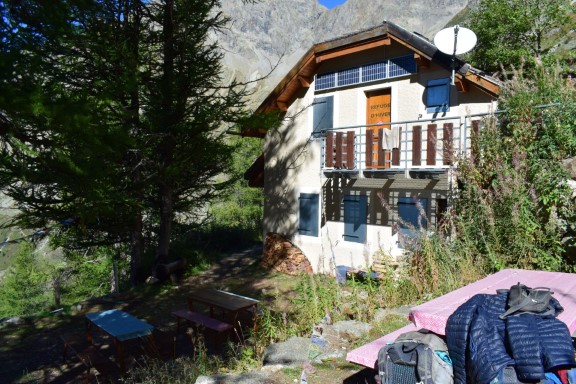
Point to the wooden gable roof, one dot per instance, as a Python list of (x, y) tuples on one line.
[(302, 74)]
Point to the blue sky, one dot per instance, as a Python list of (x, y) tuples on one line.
[(331, 3)]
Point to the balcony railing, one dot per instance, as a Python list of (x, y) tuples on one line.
[(419, 145)]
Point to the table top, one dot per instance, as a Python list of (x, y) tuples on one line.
[(119, 324), (222, 299), (434, 314)]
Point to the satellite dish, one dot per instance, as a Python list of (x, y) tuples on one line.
[(455, 40)]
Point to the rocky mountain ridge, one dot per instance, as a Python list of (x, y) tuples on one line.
[(272, 32)]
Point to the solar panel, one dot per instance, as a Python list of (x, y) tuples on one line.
[(398, 66), (325, 81), (348, 76), (372, 72)]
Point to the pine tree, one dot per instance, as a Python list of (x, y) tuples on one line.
[(114, 114)]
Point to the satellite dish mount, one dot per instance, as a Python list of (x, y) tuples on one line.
[(455, 41)]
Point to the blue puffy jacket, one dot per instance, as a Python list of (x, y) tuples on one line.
[(481, 344)]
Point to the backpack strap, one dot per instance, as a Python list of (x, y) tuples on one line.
[(527, 301), (424, 364)]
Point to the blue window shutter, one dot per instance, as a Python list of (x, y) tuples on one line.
[(323, 114), (309, 208), (355, 218), (410, 219), (438, 95), (409, 212)]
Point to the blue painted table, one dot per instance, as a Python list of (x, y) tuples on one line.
[(121, 326)]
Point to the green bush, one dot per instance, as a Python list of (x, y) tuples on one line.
[(24, 287)]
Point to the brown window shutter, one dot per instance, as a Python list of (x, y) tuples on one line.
[(431, 145), (417, 145), (350, 149), (329, 150), (369, 146), (381, 150), (448, 143), (396, 151), (338, 150)]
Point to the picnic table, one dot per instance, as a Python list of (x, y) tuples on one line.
[(217, 300), (228, 304), (121, 326), (434, 314)]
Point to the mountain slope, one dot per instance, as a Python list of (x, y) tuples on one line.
[(274, 32)]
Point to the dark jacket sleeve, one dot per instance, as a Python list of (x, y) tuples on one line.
[(457, 328), (556, 344), (488, 353), (475, 338)]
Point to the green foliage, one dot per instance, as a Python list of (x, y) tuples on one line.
[(89, 274), (317, 296), (512, 31), (36, 283), (242, 209), (515, 196), (24, 287)]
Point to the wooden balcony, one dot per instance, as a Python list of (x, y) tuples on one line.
[(422, 146)]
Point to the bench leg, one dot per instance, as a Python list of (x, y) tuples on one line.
[(64, 352)]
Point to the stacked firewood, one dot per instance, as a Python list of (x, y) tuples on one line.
[(385, 263), (283, 256)]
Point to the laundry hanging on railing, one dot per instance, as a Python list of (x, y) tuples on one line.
[(391, 138)]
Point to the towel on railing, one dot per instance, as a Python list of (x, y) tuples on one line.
[(391, 138)]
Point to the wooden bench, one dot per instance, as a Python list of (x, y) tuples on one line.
[(89, 356), (200, 319)]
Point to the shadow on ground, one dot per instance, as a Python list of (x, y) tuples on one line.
[(32, 351)]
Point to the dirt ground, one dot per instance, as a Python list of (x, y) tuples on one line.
[(32, 352)]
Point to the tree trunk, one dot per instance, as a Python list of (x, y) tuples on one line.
[(167, 144), (136, 237), (136, 252), (165, 230), (57, 286)]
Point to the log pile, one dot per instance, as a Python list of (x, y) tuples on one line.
[(383, 263), (283, 256)]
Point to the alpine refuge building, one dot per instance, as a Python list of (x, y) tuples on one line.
[(372, 129)]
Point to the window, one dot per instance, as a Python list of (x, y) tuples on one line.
[(355, 218), (323, 114), (308, 223), (398, 66), (325, 81), (412, 217), (438, 95), (349, 76)]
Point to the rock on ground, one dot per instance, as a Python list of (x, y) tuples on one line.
[(243, 378)]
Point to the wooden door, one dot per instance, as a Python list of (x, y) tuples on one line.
[(378, 111)]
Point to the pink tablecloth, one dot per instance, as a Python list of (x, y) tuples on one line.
[(434, 314)]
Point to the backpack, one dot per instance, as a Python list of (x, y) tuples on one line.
[(523, 299), (507, 375), (415, 357)]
